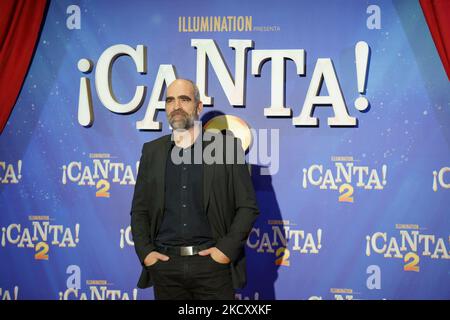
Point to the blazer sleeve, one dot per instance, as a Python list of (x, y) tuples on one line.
[(245, 206), (140, 218)]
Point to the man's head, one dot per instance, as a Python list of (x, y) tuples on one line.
[(183, 105)]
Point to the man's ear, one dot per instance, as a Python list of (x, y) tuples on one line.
[(199, 107)]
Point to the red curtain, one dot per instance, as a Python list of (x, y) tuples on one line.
[(437, 14), (20, 22)]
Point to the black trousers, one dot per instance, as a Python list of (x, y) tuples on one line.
[(191, 278)]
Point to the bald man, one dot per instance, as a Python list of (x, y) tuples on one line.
[(190, 220)]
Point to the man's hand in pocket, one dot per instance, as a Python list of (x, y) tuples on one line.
[(153, 257)]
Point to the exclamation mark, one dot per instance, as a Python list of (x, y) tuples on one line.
[(16, 292), (19, 166), (434, 180), (85, 108), (134, 294), (3, 237), (77, 232), (367, 246), (384, 170), (64, 178), (121, 239), (319, 238), (304, 178), (362, 59)]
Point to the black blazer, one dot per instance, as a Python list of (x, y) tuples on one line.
[(228, 199)]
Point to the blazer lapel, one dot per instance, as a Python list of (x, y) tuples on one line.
[(208, 175), (160, 167)]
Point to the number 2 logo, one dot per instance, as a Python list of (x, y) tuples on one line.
[(346, 191), (103, 188), (284, 259), (41, 251), (413, 265)]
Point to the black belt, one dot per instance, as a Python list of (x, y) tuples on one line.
[(184, 251)]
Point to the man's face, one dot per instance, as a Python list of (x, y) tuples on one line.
[(181, 108)]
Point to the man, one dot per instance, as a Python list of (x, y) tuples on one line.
[(190, 220)]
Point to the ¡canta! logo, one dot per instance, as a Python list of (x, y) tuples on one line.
[(276, 241), (344, 174), (438, 179), (9, 173), (100, 172), (95, 289), (234, 88), (338, 294), (413, 246), (40, 235), (6, 294), (126, 237)]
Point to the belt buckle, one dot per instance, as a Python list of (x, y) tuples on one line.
[(187, 251)]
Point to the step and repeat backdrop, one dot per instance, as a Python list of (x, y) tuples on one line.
[(344, 106)]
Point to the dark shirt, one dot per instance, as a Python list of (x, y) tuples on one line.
[(184, 222)]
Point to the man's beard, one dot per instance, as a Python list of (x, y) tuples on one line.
[(183, 120)]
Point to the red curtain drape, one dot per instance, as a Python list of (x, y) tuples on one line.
[(20, 22), (437, 15)]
